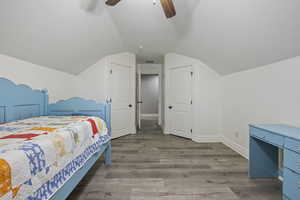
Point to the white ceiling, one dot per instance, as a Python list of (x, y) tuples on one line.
[(227, 35)]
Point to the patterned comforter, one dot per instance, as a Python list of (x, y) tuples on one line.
[(39, 155)]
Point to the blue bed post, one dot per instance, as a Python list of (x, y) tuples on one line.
[(46, 102), (107, 154)]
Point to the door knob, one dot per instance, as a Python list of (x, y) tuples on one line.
[(129, 105), (170, 107), (109, 100)]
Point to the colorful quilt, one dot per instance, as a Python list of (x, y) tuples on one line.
[(39, 155)]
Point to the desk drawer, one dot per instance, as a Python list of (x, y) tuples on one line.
[(269, 137), (292, 144), (258, 133), (274, 139), (291, 184), (292, 160)]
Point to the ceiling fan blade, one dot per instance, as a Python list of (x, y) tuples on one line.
[(112, 2), (168, 7)]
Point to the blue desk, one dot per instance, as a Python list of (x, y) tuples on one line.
[(265, 140)]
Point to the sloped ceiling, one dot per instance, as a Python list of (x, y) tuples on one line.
[(227, 35)]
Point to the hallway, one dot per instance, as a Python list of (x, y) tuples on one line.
[(150, 127), (153, 166)]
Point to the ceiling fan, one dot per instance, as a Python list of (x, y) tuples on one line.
[(168, 6)]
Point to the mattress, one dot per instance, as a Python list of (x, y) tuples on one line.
[(39, 155)]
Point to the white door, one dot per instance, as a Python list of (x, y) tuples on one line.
[(122, 97), (180, 101)]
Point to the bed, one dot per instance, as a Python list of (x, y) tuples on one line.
[(46, 149)]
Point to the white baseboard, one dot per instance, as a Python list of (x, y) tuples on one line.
[(149, 116), (231, 144), (217, 138), (206, 139), (236, 147)]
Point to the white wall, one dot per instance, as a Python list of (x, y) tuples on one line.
[(206, 98), (269, 94), (208, 102), (150, 68), (93, 82), (58, 84)]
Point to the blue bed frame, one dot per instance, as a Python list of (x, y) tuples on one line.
[(19, 102)]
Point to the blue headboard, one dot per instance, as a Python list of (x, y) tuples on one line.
[(80, 106), (20, 101)]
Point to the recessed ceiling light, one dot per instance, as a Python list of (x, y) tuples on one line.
[(141, 46)]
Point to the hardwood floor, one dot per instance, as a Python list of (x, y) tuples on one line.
[(153, 166)]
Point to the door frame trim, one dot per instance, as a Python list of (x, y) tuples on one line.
[(161, 90)]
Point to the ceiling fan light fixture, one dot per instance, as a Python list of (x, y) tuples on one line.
[(168, 7), (112, 2)]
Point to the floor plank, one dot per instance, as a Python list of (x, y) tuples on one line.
[(153, 166)]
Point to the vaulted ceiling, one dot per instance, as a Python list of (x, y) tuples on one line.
[(227, 35)]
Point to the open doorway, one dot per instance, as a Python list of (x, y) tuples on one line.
[(149, 98)]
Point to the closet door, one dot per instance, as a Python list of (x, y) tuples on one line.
[(180, 101), (122, 97)]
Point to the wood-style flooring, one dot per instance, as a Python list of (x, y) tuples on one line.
[(153, 166)]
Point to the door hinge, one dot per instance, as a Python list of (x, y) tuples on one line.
[(191, 102), (192, 73), (110, 71), (191, 130)]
